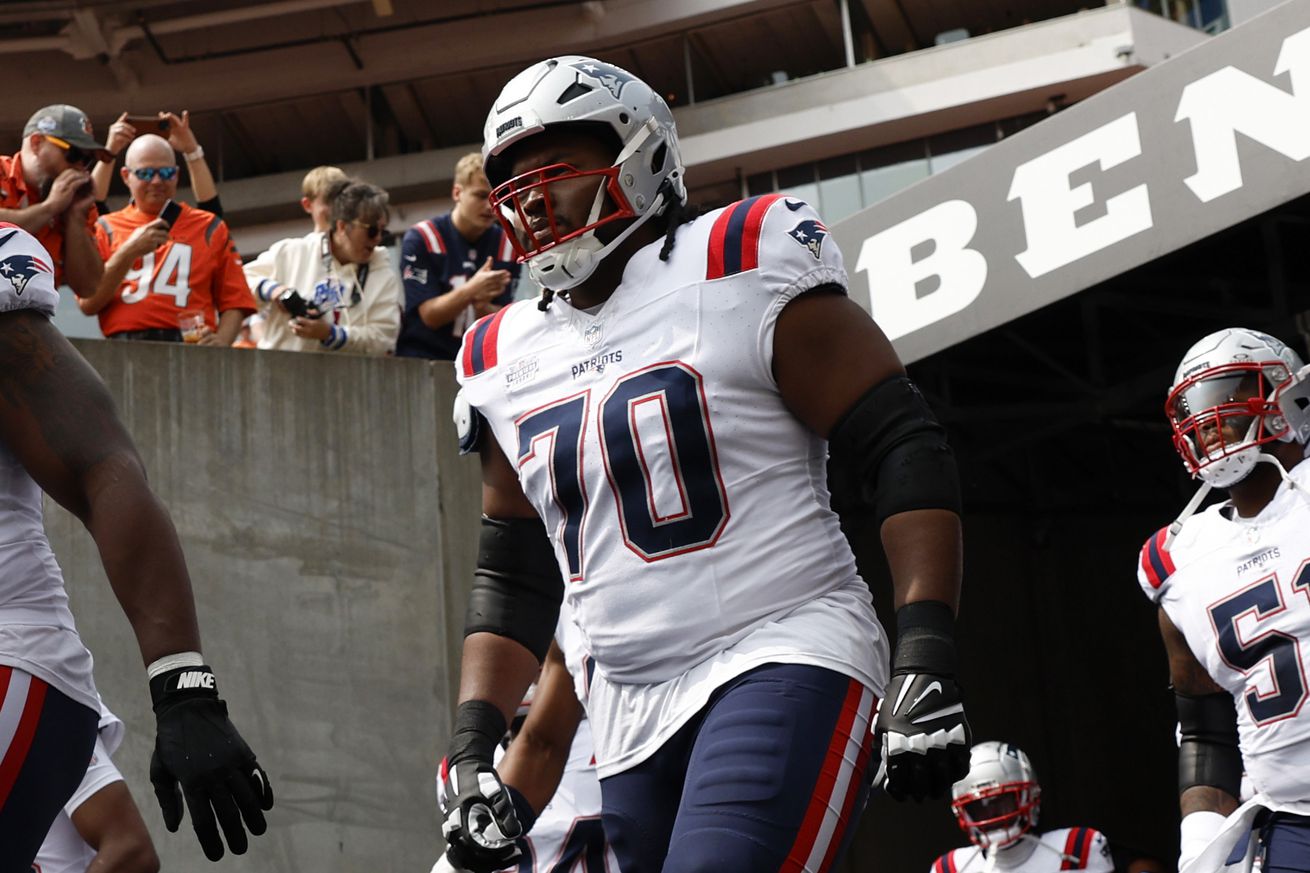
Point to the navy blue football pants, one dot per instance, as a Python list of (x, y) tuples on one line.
[(1286, 844), (771, 775), (46, 741)]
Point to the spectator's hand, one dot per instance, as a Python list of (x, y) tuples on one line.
[(210, 339), (120, 136), (71, 185), (146, 238), (198, 749), (311, 328), (180, 136), (486, 284)]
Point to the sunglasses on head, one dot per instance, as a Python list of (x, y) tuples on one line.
[(145, 174), (72, 153), (374, 230)]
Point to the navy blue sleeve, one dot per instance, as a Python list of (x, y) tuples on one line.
[(515, 269), (422, 271)]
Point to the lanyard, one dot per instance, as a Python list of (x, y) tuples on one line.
[(361, 270)]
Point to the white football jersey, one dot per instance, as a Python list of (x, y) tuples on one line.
[(1061, 849), (37, 633), (688, 507), (1239, 591), (64, 850)]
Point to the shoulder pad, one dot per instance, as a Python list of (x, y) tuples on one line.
[(479, 351), (1078, 848), (27, 279), (781, 236), (468, 424), (1155, 565)]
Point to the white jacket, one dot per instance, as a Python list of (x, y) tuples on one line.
[(366, 327)]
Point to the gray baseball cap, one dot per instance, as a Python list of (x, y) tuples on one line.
[(69, 124)]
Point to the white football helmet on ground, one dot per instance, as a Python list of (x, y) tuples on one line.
[(646, 175), (998, 802), (1234, 391)]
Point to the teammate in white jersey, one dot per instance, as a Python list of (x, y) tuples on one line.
[(59, 432), (997, 806), (683, 423), (1233, 588), (550, 770), (100, 827)]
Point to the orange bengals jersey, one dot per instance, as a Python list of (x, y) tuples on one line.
[(198, 268), (14, 195)]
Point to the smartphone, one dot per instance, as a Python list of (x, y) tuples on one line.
[(148, 124), (170, 212)]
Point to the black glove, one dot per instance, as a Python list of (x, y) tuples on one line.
[(197, 746), (479, 821), (921, 725)]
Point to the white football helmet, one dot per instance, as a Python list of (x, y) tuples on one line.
[(646, 175), (1234, 391), (998, 801)]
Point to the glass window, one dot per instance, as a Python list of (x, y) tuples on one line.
[(839, 188), (799, 183), (939, 163), (760, 183)]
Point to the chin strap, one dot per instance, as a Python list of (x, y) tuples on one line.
[(1201, 493), (1187, 512)]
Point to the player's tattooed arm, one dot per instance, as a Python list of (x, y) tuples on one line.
[(1189, 677), (59, 421)]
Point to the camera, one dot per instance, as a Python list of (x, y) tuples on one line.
[(297, 306)]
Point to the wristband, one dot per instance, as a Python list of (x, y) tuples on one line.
[(172, 662), (195, 155), (479, 725), (925, 639)]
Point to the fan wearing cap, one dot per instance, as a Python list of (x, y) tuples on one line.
[(46, 189), (996, 806)]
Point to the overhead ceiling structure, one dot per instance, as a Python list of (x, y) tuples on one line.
[(278, 85)]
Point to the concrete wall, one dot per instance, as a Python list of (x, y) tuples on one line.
[(330, 529)]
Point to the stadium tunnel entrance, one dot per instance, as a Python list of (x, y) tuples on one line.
[(1043, 293), (1067, 467)]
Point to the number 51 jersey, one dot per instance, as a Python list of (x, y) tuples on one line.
[(688, 507), (1239, 590)]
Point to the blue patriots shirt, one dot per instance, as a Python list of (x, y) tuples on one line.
[(436, 258)]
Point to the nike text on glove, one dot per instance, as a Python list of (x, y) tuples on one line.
[(921, 725), (198, 749), (479, 822)]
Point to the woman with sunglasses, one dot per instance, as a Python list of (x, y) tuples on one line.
[(165, 265), (46, 190), (333, 290)]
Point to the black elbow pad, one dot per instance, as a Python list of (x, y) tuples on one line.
[(517, 587), (889, 453), (1208, 753)]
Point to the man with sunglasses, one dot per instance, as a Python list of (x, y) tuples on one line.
[(46, 189), (156, 271)]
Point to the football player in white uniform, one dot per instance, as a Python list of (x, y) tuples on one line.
[(997, 806), (59, 432), (549, 770), (661, 437), (100, 825), (1233, 588)]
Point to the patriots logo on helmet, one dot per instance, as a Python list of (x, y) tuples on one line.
[(611, 77), (21, 269), (811, 234)]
